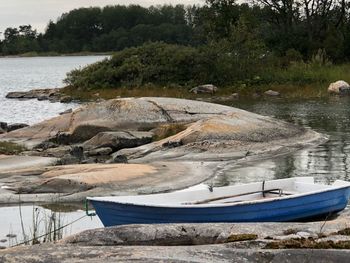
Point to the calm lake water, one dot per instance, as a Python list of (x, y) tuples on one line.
[(326, 162), (21, 74)]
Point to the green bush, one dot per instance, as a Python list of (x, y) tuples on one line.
[(163, 64), (156, 63)]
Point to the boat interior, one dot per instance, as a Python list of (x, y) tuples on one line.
[(258, 191)]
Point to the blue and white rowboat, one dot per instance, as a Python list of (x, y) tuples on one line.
[(289, 199)]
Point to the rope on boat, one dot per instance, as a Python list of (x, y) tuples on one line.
[(49, 233), (87, 209)]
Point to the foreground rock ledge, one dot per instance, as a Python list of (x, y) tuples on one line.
[(211, 136), (221, 242)]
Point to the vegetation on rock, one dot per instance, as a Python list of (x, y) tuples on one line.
[(11, 148)]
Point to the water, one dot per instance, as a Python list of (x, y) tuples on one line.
[(18, 223), (22, 74), (326, 162)]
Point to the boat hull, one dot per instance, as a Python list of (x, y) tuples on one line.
[(280, 210)]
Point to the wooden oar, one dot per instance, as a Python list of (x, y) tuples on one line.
[(237, 195)]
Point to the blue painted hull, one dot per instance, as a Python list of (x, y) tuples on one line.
[(281, 210)]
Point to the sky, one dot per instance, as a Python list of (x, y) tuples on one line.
[(38, 12)]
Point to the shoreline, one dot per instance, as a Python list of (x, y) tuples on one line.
[(68, 94), (35, 55)]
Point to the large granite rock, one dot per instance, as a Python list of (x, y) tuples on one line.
[(339, 87), (115, 115), (198, 136)]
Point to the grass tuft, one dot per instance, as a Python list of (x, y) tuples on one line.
[(11, 148)]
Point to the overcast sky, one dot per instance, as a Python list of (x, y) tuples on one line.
[(38, 12)]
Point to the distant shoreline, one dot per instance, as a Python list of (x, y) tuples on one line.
[(54, 54)]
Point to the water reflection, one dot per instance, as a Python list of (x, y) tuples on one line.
[(326, 162)]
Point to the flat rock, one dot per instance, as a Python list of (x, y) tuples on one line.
[(8, 163), (79, 181), (40, 94), (208, 253)]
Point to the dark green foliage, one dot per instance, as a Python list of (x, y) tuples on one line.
[(111, 28), (166, 64), (303, 26), (21, 40), (157, 63)]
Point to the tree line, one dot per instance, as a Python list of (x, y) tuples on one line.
[(290, 29)]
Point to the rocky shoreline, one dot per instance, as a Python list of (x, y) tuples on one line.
[(150, 145), (221, 242), (53, 95)]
